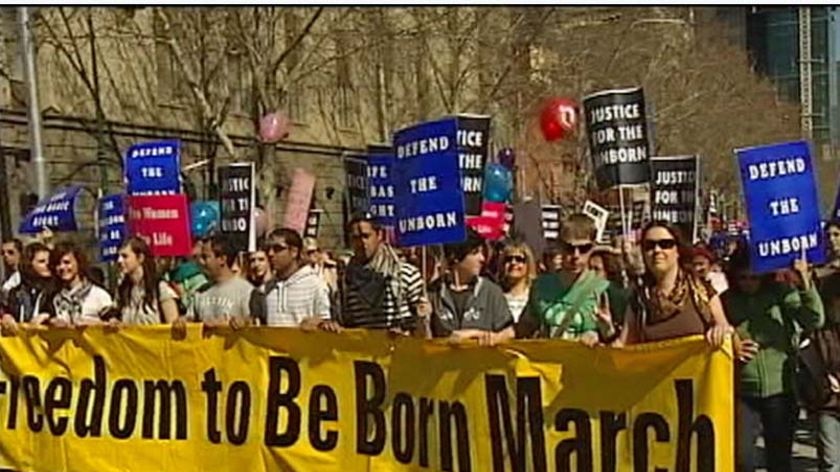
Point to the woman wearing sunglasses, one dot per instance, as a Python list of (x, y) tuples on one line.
[(669, 301), (571, 303), (519, 269), (769, 317)]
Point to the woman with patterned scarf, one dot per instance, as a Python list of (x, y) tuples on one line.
[(670, 302), (74, 301)]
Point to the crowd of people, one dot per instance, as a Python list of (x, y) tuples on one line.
[(580, 291)]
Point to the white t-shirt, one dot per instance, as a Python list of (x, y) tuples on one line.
[(96, 300), (137, 312)]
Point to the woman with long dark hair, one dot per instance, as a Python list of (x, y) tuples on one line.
[(769, 318), (669, 301), (73, 300), (142, 297), (23, 300)]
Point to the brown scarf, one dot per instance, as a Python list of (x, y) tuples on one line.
[(688, 289)]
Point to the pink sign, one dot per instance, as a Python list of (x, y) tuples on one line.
[(300, 196), (491, 224), (163, 221)]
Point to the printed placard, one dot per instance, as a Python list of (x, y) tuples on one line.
[(163, 221), (674, 192), (237, 200), (428, 191), (112, 227), (56, 212), (618, 139), (473, 147), (782, 205), (153, 168)]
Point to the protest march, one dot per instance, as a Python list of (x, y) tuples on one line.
[(459, 320)]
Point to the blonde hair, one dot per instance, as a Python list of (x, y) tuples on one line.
[(518, 248)]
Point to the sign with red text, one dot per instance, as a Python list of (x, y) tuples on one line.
[(491, 223), (163, 221), (300, 196)]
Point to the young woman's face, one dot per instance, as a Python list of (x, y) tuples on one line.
[(128, 260), (41, 264), (68, 268), (660, 250), (516, 265)]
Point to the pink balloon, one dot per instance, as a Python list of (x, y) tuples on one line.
[(260, 221), (274, 127)]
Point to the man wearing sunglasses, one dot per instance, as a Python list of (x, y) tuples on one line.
[(296, 296), (567, 304), (465, 304)]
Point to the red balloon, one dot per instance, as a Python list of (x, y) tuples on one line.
[(559, 118)]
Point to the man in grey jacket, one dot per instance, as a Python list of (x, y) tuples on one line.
[(466, 305)]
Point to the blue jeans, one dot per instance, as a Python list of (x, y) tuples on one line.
[(775, 416), (828, 441)]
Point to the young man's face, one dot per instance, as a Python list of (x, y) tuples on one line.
[(281, 255), (258, 264), (364, 239), (575, 254), (11, 256), (470, 266), (212, 264)]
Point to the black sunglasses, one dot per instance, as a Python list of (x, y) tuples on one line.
[(580, 248), (519, 259), (664, 244), (275, 248)]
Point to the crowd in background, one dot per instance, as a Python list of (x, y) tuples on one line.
[(784, 325)]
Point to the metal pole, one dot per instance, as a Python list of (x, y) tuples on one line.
[(29, 68)]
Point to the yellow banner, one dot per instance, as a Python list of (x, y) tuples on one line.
[(266, 399)]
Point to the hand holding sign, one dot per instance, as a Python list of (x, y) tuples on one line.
[(802, 269)]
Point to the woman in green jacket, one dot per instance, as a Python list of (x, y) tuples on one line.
[(769, 318)]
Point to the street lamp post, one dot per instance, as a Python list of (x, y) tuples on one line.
[(30, 73)]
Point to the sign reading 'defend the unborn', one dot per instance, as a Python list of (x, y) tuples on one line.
[(380, 163), (429, 197), (782, 205), (163, 222), (56, 213), (473, 146), (237, 199), (674, 188), (111, 226), (153, 168), (618, 139)]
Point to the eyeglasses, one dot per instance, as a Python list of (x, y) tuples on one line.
[(276, 248), (664, 244), (9, 252), (519, 259), (309, 252), (570, 248)]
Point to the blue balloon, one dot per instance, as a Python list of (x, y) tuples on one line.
[(498, 183), (204, 217)]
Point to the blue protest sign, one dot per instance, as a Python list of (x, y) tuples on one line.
[(782, 205), (429, 197), (380, 161), (56, 212), (153, 168), (111, 226)]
